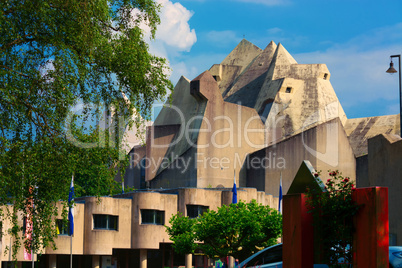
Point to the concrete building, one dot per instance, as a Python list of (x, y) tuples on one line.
[(257, 112), (256, 116), (128, 230)]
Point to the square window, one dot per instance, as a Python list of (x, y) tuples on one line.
[(106, 222), (194, 211), (63, 227), (150, 216), (288, 90)]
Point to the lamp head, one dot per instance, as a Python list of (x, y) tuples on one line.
[(391, 69)]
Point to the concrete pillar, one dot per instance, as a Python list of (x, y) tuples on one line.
[(143, 258), (52, 261), (189, 260), (95, 261)]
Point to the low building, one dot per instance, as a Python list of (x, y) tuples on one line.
[(128, 229)]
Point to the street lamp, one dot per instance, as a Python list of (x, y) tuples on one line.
[(392, 70)]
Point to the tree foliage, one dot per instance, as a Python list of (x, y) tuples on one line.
[(236, 230), (54, 55), (333, 212)]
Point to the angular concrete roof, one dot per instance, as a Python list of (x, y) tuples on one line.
[(359, 130), (249, 83), (289, 97), (242, 54)]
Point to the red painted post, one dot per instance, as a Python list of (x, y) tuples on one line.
[(371, 237), (298, 233)]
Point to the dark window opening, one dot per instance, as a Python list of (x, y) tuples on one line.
[(142, 173), (325, 76), (150, 216), (63, 227), (106, 222), (193, 211), (288, 90)]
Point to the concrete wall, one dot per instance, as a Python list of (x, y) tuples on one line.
[(131, 232), (180, 173), (133, 176), (203, 197), (63, 241), (102, 242), (325, 146), (228, 133), (148, 236), (362, 176), (214, 144), (385, 169)]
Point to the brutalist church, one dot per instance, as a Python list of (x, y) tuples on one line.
[(253, 118)]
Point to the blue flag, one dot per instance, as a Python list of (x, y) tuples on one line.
[(71, 207), (280, 195), (234, 190)]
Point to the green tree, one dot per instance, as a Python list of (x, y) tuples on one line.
[(54, 55), (333, 212), (237, 230)]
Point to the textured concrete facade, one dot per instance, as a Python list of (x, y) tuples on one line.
[(325, 146), (132, 235), (283, 105), (384, 169)]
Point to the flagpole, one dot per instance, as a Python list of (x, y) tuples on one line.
[(280, 208), (71, 218), (71, 251), (33, 235), (32, 240)]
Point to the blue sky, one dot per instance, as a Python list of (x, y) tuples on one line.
[(354, 38)]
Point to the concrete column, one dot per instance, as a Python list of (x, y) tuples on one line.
[(143, 258), (52, 261), (95, 261), (189, 260)]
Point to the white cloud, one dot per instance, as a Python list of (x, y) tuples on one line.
[(173, 36), (174, 29)]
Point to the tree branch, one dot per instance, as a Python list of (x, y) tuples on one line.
[(23, 39), (24, 75)]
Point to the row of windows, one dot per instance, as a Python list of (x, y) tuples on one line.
[(148, 216)]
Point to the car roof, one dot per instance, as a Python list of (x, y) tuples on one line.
[(258, 253), (395, 248)]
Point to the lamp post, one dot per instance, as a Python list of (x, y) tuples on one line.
[(392, 70)]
